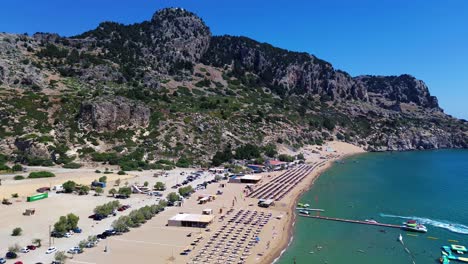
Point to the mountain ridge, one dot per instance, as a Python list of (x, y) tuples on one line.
[(167, 88)]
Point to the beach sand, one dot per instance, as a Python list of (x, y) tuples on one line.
[(154, 242)]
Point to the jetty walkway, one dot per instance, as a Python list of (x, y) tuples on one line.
[(350, 221)]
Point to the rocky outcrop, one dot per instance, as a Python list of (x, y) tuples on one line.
[(283, 71), (179, 35), (111, 113), (404, 88), (32, 149)]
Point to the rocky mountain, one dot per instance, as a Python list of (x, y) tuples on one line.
[(166, 91)]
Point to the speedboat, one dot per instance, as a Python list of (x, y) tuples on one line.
[(305, 212), (400, 238), (412, 225)]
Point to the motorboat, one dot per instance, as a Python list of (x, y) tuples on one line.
[(413, 225)]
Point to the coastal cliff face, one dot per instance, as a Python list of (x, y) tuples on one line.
[(169, 89)]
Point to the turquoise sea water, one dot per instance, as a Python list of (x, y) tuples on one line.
[(431, 186)]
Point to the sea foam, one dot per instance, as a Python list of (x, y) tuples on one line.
[(453, 227)]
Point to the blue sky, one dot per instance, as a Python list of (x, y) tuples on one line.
[(425, 38)]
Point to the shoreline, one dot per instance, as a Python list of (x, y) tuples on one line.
[(276, 253)]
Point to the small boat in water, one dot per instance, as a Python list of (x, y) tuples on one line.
[(305, 212), (444, 259), (400, 238), (413, 225), (372, 221)]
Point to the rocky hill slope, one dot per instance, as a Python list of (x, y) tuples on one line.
[(167, 90)]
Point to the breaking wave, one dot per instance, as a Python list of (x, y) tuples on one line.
[(453, 227)]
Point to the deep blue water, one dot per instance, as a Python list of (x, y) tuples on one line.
[(431, 186)]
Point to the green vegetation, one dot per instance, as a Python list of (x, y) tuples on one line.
[(41, 174), (72, 165), (160, 186), (247, 152), (137, 217), (107, 209), (69, 186), (66, 223), (17, 231), (173, 197), (102, 179), (286, 158), (125, 191), (112, 192), (18, 177), (186, 191), (17, 167)]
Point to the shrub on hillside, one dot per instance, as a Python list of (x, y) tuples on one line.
[(41, 174)]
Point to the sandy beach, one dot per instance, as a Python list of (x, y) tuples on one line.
[(154, 242)]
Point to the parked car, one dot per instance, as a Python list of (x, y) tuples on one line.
[(11, 255), (67, 234), (56, 234), (77, 230), (90, 244), (101, 236), (18, 262), (51, 250), (24, 250), (75, 250), (31, 247), (2, 261), (97, 217), (43, 189), (110, 232)]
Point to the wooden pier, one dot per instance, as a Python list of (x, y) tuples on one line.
[(350, 221)]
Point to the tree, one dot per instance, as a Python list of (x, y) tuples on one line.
[(37, 242), (218, 178), (98, 190), (82, 244), (270, 150), (300, 156), (173, 197), (103, 179), (72, 221), (121, 224), (137, 217), (112, 192), (69, 186), (17, 231), (84, 190), (286, 158), (125, 191), (61, 226), (247, 151), (186, 191), (146, 184), (60, 256), (107, 208), (160, 186), (117, 182), (17, 167), (222, 156)]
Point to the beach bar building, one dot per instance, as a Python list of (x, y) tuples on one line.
[(191, 220), (245, 178)]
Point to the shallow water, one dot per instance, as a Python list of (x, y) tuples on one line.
[(430, 186)]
